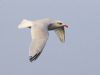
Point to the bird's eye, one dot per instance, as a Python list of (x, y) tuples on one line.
[(59, 23)]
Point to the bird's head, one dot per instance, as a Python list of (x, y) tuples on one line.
[(60, 24), (25, 24), (56, 24)]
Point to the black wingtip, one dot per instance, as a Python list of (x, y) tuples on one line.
[(32, 58)]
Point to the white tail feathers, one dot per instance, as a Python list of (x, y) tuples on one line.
[(25, 24)]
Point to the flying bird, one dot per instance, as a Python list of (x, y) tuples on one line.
[(39, 34)]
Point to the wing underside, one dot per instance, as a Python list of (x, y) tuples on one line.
[(38, 43), (60, 33)]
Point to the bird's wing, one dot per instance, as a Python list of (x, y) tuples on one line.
[(60, 33), (39, 38)]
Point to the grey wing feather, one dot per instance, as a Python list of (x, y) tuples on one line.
[(36, 48), (60, 33), (39, 38)]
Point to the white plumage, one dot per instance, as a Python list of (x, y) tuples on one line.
[(39, 33)]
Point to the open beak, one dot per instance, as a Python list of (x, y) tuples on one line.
[(66, 26)]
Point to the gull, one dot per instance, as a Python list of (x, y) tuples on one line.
[(39, 34)]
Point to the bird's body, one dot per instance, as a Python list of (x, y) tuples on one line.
[(39, 33)]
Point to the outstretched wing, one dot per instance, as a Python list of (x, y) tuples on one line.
[(60, 33), (39, 38)]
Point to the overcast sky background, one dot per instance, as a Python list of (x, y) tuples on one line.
[(79, 55)]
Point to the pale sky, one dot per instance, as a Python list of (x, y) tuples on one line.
[(79, 55)]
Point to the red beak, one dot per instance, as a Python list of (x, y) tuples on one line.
[(66, 26)]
